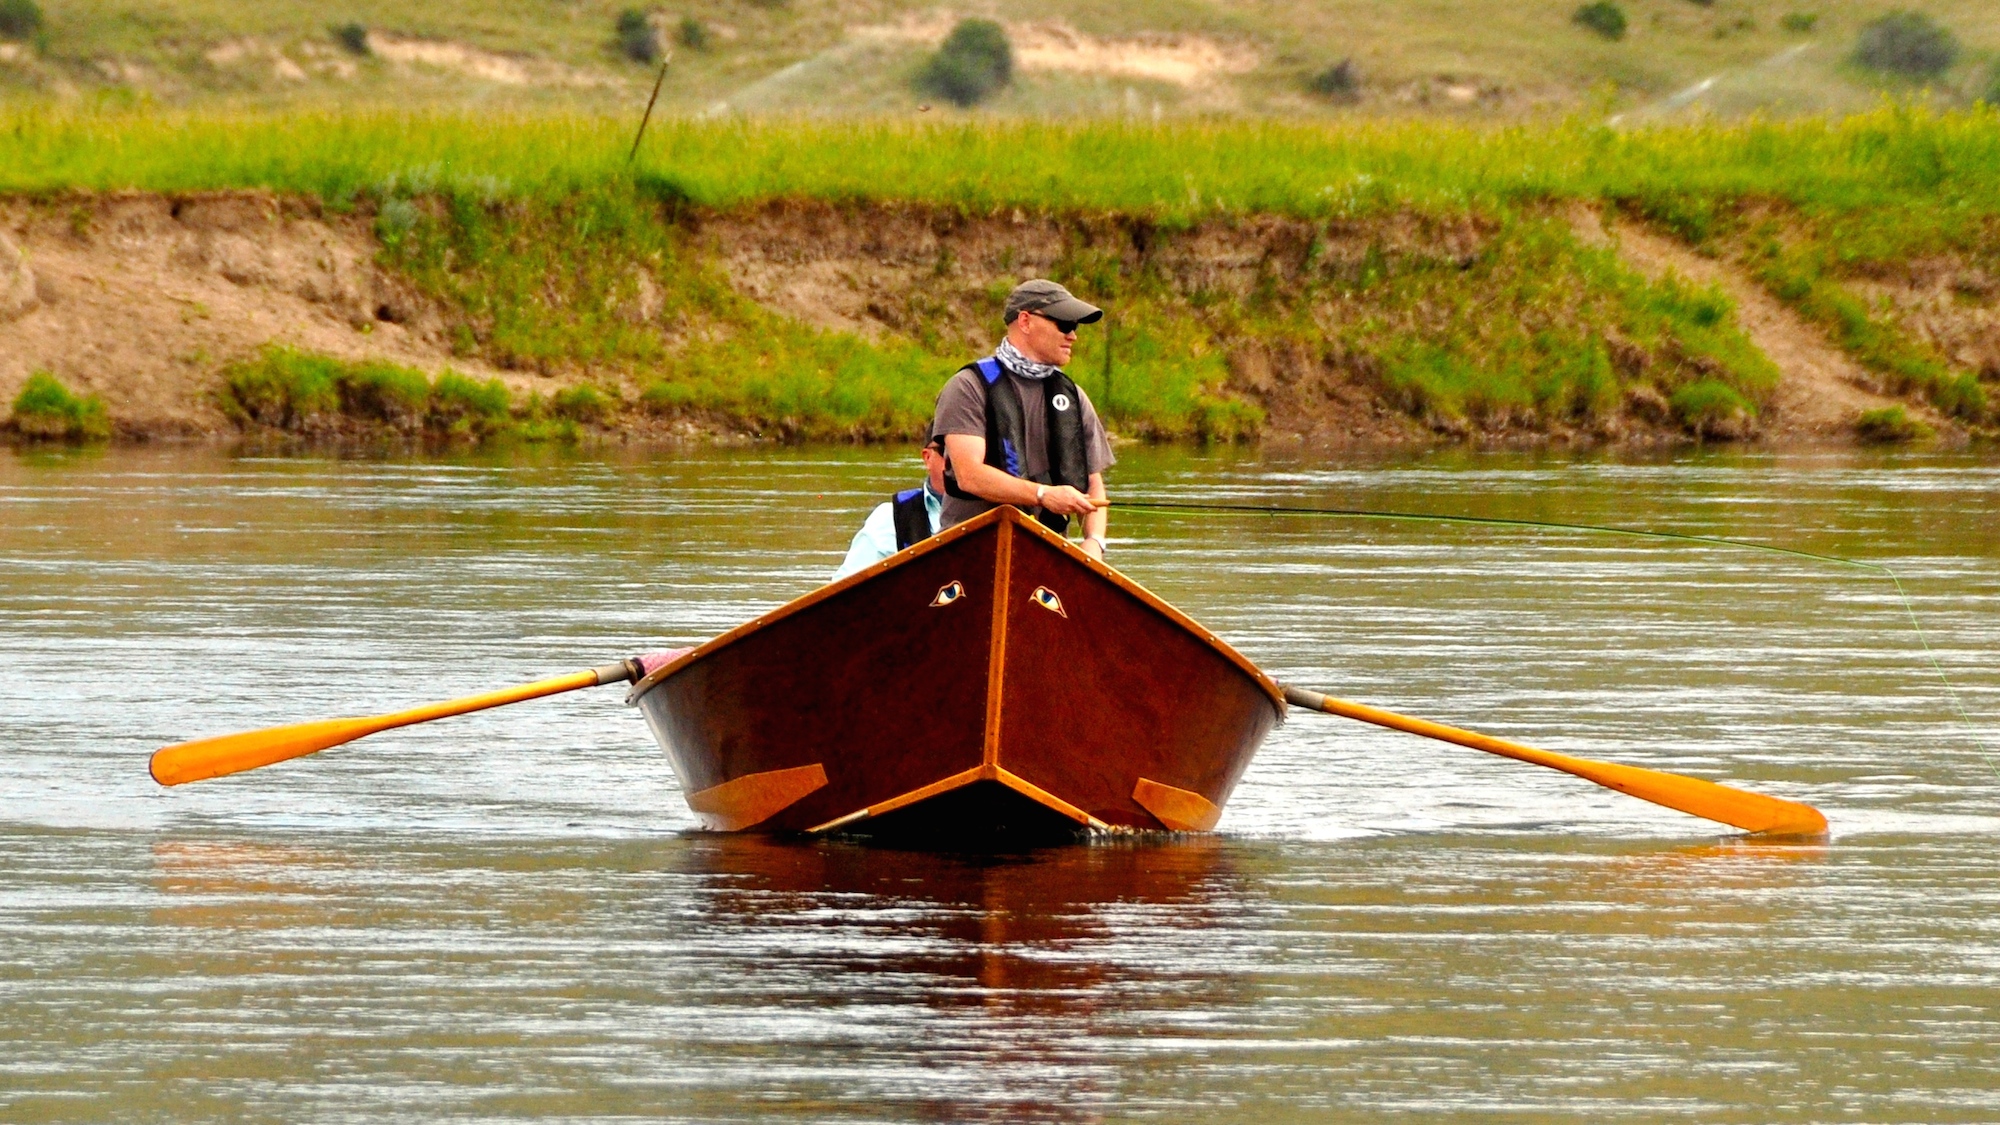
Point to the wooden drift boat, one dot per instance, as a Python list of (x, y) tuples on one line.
[(992, 680)]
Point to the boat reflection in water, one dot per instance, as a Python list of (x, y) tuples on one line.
[(1054, 932), (709, 976)]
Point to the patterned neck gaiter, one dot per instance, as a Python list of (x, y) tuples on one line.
[(1011, 358)]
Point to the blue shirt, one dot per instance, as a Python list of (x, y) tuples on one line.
[(877, 538)]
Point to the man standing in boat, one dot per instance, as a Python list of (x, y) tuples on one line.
[(1018, 431)]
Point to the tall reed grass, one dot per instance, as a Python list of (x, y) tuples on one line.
[(1903, 158)]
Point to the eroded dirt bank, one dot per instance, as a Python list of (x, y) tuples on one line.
[(145, 299), (1315, 329)]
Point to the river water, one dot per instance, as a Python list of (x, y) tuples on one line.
[(507, 915)]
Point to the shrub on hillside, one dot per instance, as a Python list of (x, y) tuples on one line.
[(1891, 425), (693, 34), (47, 409), (1603, 17), (1908, 44), (462, 405), (582, 403), (1992, 95), (352, 37), (974, 61), (1799, 22), (307, 393), (1337, 81), (19, 19), (385, 392), (635, 36), (1713, 409)]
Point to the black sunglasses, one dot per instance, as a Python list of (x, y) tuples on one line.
[(1063, 326)]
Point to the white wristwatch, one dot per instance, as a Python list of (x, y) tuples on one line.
[(1041, 490)]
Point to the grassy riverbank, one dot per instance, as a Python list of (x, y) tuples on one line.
[(1440, 268)]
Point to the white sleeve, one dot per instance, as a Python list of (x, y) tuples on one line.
[(874, 542)]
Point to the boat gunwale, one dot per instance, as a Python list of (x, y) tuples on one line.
[(1002, 513)]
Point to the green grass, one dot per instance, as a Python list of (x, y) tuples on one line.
[(1937, 173), (1708, 404), (1891, 425), (777, 377), (1539, 327), (47, 409), (507, 263), (315, 395)]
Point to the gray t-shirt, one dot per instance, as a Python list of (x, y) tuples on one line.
[(961, 409)]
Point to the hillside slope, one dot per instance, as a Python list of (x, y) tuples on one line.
[(1470, 58)]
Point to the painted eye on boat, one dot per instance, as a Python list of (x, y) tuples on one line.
[(948, 593), (1047, 599)]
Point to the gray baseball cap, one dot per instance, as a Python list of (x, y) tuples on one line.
[(1050, 300)]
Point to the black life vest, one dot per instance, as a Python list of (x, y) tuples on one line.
[(912, 518), (1006, 435)]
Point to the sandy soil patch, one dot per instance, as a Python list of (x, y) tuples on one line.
[(256, 52), (121, 71), (1185, 60), (1050, 45), (473, 62), (1447, 91)]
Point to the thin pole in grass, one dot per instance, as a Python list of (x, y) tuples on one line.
[(641, 135), (1107, 365)]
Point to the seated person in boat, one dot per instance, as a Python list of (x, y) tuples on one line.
[(908, 517), (1018, 431)]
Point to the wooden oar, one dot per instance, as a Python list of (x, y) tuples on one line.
[(233, 753), (1752, 812)]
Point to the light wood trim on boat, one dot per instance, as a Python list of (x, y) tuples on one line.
[(1038, 794), (985, 772), (996, 653), (754, 797), (1182, 810), (963, 777)]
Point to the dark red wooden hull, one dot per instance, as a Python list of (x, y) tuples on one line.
[(992, 678)]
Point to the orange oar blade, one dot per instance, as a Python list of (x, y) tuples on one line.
[(233, 753), (204, 758), (1752, 812)]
